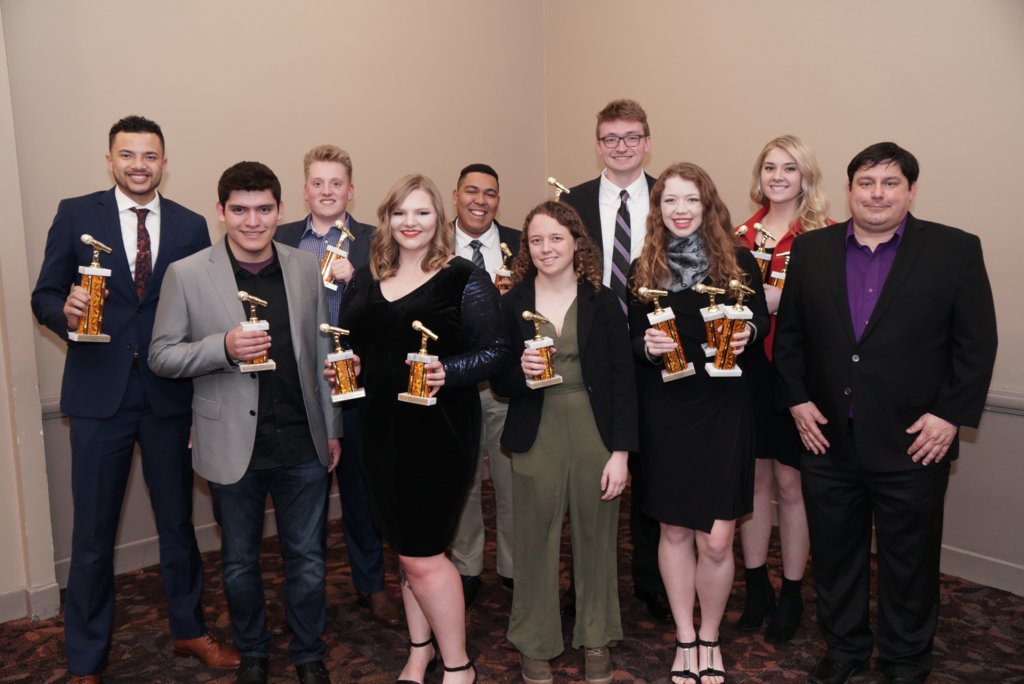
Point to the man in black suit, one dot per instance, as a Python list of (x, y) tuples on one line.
[(114, 401), (328, 190), (885, 344), (478, 237), (614, 208)]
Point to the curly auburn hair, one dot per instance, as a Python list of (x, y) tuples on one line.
[(586, 262), (813, 210), (720, 244), (384, 249)]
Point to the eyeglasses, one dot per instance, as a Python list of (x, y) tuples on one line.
[(612, 141)]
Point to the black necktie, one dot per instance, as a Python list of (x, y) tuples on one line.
[(478, 257), (621, 249)]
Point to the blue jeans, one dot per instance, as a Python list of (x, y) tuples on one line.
[(299, 494)]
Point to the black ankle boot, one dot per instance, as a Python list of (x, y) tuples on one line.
[(760, 599), (786, 618)]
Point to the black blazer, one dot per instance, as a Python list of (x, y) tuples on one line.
[(606, 361), (929, 347), (96, 375), (585, 199), (358, 249)]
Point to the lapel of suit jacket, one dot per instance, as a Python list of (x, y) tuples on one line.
[(224, 286), (168, 240), (911, 244), (835, 258), (586, 309), (297, 295), (108, 231)]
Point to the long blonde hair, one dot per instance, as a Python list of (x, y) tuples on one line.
[(720, 243), (813, 210), (384, 249)]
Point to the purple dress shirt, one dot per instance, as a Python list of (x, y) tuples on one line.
[(866, 272)]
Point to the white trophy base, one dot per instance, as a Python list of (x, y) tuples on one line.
[(88, 338), (709, 351), (330, 286), (419, 401), (537, 384), (733, 372), (688, 370), (664, 315), (344, 355), (248, 326), (257, 367), (90, 271), (356, 394)]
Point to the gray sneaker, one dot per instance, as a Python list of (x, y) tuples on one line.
[(598, 665), (535, 671)]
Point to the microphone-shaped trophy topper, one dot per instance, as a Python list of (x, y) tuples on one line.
[(97, 247), (253, 301), (425, 332), (537, 320), (559, 188), (652, 295), (765, 236), (741, 291), (741, 231)]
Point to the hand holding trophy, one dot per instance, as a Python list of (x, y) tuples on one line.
[(262, 362), (334, 252), (736, 318), (94, 281), (542, 344), (418, 390), (342, 361), (675, 365)]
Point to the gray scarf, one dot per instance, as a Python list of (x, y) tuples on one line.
[(687, 261)]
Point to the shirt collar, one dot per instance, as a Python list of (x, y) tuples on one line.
[(894, 240), (636, 189), (272, 265), (124, 203), (489, 239), (309, 226)]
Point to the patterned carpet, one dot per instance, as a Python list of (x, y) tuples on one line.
[(980, 636)]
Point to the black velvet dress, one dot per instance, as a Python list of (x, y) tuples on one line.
[(419, 460), (696, 433)]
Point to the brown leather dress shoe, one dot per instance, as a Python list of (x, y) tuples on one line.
[(382, 607), (209, 651), (85, 679)]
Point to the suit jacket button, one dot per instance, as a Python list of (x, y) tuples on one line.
[(847, 391), (138, 309), (252, 375), (252, 413), (855, 358)]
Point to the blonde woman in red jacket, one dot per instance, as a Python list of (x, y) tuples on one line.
[(786, 183)]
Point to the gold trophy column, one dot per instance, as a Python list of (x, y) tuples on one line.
[(334, 252), (261, 363), (714, 317), (674, 362), (542, 344), (418, 389), (736, 317), (94, 280), (345, 386)]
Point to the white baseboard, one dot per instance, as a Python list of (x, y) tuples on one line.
[(39, 603), (992, 572)]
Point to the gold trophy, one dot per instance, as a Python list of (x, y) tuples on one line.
[(542, 344), (503, 276), (675, 365), (714, 317), (736, 317), (764, 259), (418, 390), (94, 280), (332, 253), (559, 188), (260, 363), (778, 278), (345, 386)]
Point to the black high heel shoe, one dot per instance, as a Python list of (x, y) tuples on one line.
[(463, 667), (431, 666), (688, 663)]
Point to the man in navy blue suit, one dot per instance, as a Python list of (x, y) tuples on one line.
[(328, 190), (114, 402)]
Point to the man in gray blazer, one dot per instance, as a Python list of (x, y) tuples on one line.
[(256, 433)]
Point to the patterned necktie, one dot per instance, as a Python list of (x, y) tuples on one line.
[(620, 255), (143, 256), (478, 257)]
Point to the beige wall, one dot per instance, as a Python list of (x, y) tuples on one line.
[(430, 87)]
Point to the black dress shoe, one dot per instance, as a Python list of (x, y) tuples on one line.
[(252, 671), (657, 605), (785, 619), (829, 671), (313, 673), (470, 588)]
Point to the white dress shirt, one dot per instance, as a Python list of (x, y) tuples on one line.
[(130, 226), (639, 204), (490, 246)]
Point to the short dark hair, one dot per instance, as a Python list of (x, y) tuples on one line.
[(248, 176), (135, 124), (884, 153), (477, 168)]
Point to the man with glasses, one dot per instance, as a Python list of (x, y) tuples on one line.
[(614, 208)]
